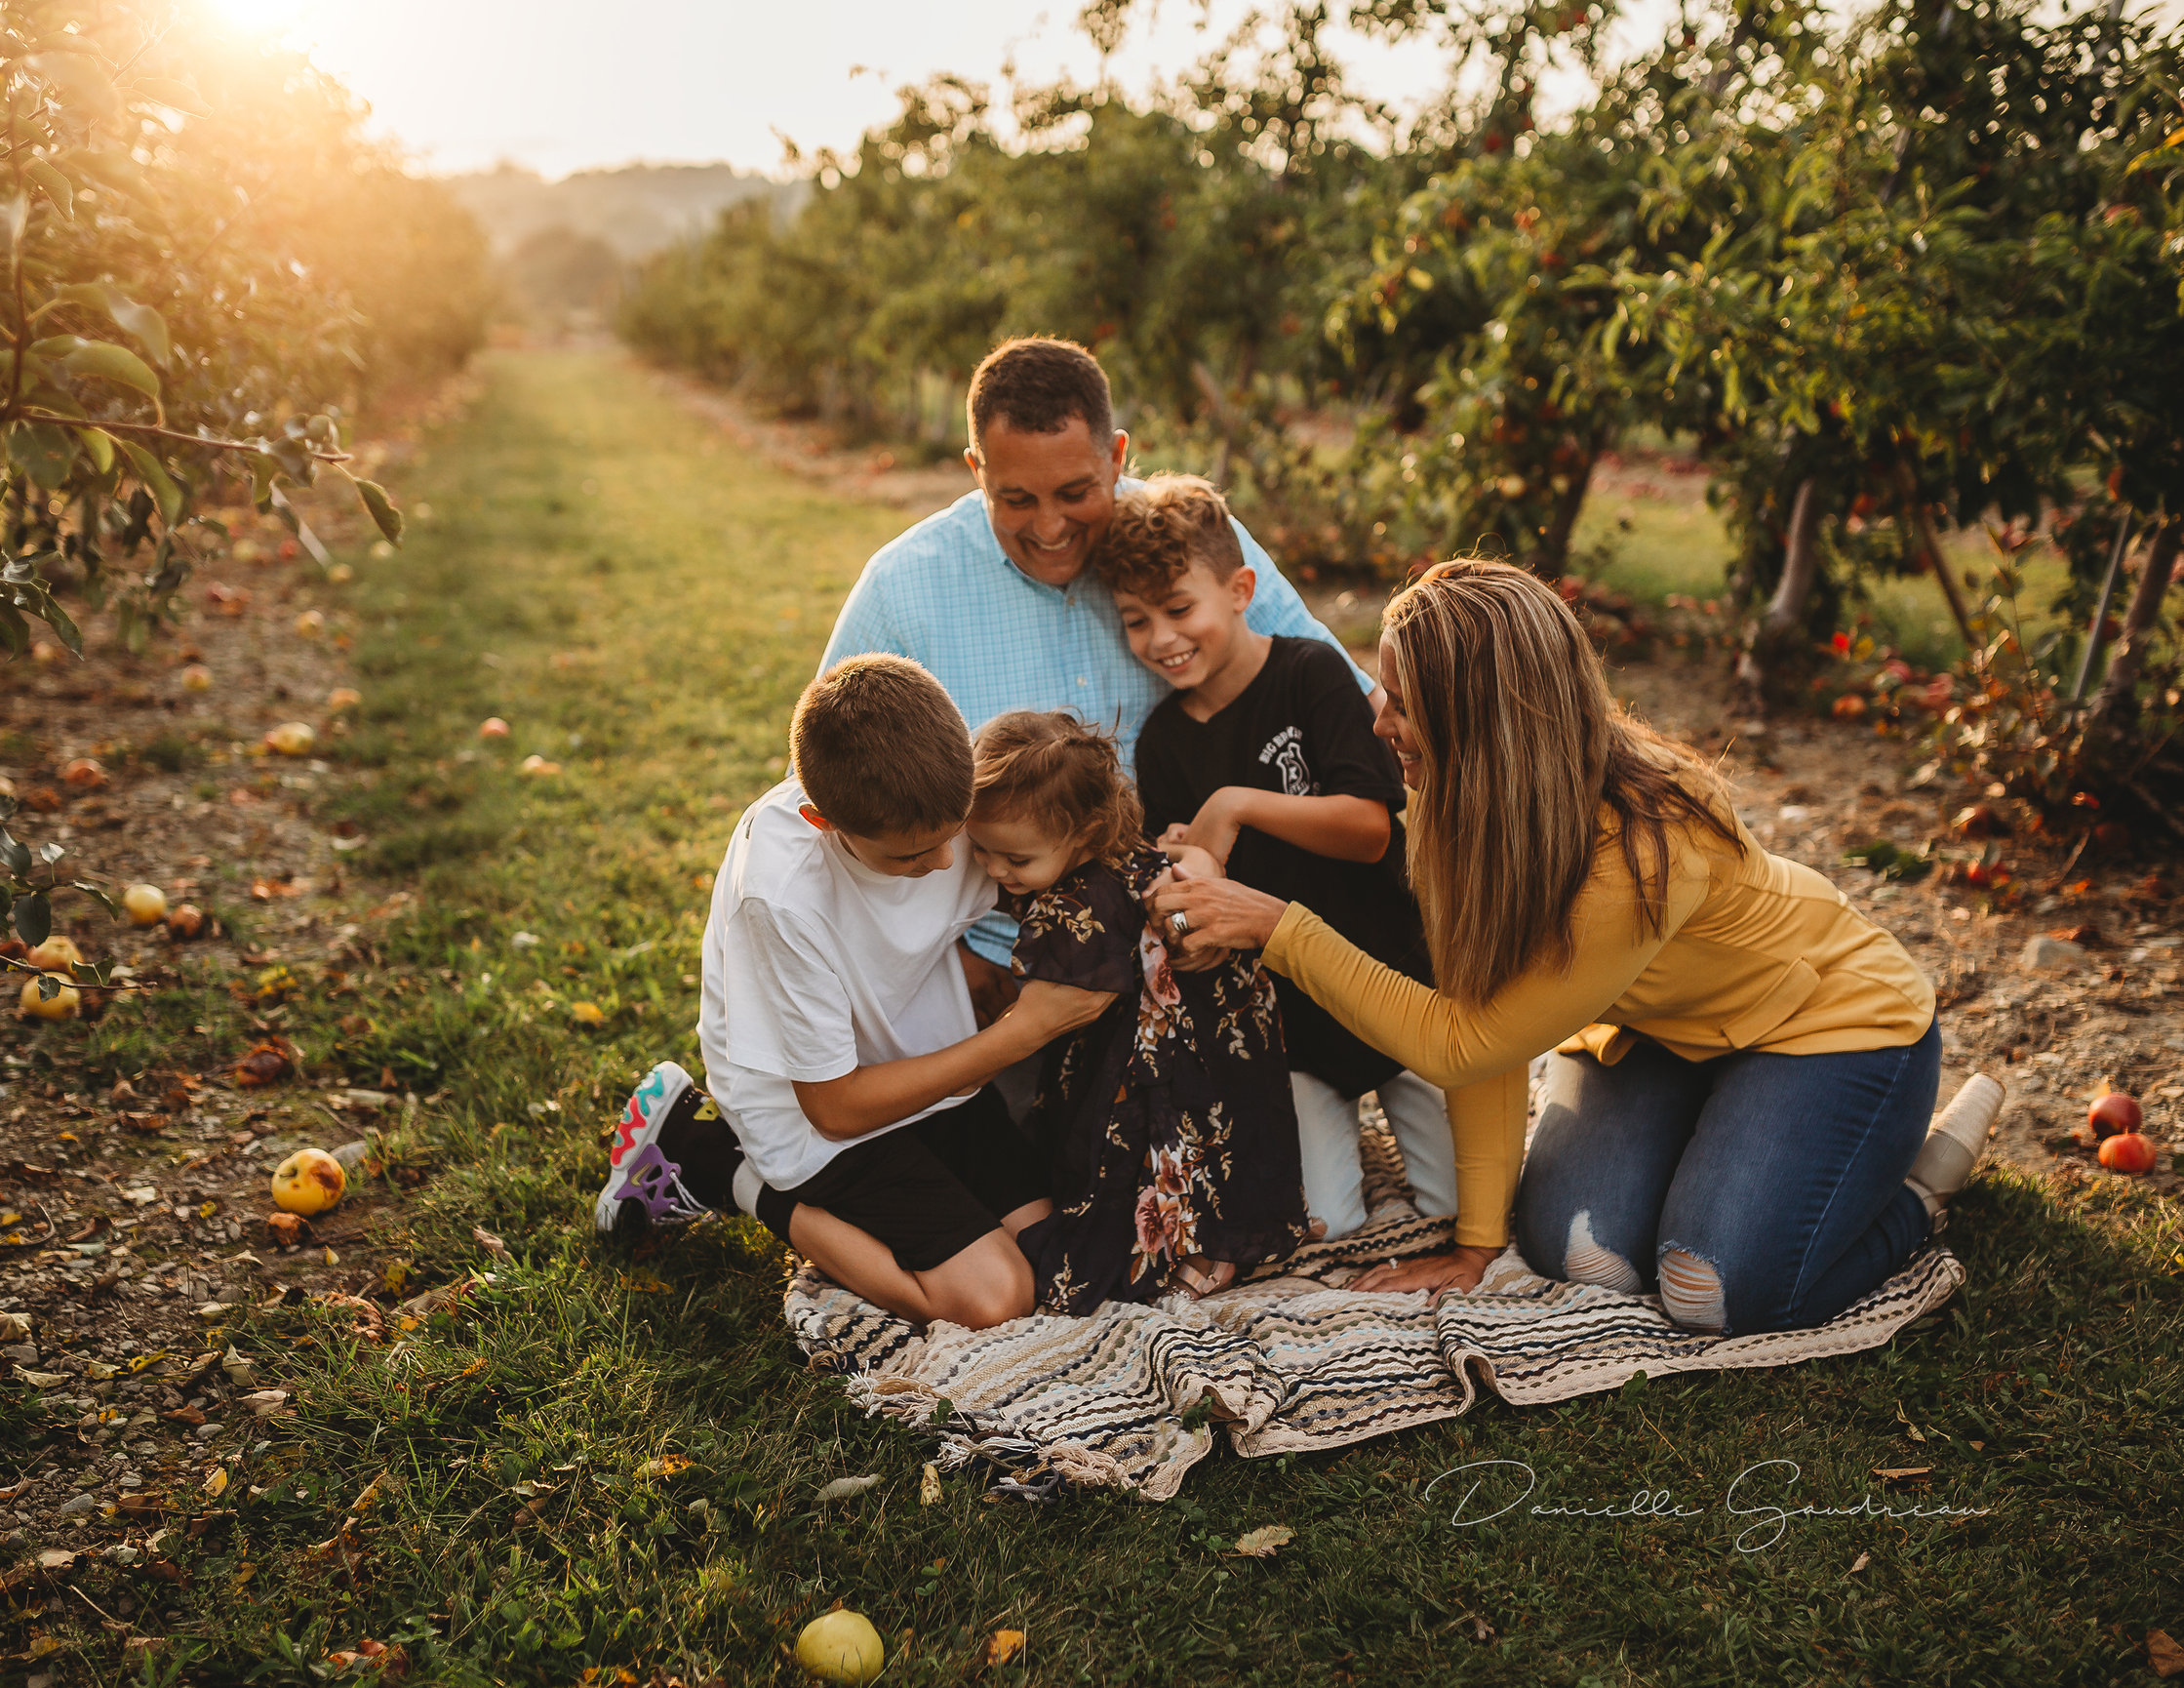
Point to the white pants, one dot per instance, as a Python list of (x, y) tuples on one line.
[(1326, 1128)]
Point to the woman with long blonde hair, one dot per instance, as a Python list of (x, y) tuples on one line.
[(1745, 1066)]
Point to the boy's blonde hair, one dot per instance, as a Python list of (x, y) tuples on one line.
[(1061, 776), (1160, 529), (880, 749)]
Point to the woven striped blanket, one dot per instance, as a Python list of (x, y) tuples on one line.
[(1132, 1397)]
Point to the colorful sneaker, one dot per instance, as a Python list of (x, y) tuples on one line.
[(669, 1124)]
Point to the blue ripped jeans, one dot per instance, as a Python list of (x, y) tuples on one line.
[(1756, 1192)]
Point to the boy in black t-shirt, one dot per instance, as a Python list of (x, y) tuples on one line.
[(1265, 756)]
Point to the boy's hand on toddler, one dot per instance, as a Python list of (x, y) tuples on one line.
[(1052, 1009), (992, 988), (1190, 862), (1215, 828)]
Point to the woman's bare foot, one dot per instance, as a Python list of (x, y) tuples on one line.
[(1198, 1277)]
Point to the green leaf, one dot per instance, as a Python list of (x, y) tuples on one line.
[(15, 857), (110, 168), (101, 445), (102, 897), (157, 481), (139, 321), (175, 96), (57, 619), (34, 917), (76, 80), (384, 514), (44, 450), (55, 187), (49, 987), (98, 360)]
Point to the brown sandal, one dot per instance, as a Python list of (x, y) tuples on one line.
[(1198, 1284)]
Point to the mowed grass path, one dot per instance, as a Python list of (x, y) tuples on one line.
[(529, 1532)]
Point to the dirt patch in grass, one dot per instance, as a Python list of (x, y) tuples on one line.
[(135, 1155)]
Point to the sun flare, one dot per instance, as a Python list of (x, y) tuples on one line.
[(268, 18)]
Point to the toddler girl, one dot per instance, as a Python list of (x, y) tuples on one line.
[(1167, 1121)]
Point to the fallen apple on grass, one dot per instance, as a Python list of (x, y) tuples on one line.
[(84, 773), (57, 954), (493, 727), (62, 1004), (539, 767), (2115, 1112), (144, 904), (291, 739), (311, 1181), (841, 1646), (343, 697), (2127, 1151), (184, 922), (310, 625), (196, 677)]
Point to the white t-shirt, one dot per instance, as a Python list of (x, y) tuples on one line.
[(814, 966)]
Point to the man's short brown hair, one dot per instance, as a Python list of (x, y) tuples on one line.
[(880, 749), (1160, 529), (1036, 386)]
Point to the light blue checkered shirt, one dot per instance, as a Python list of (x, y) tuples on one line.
[(947, 595)]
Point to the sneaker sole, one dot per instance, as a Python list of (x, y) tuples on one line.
[(646, 1113)]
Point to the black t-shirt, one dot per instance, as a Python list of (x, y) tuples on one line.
[(1301, 727)]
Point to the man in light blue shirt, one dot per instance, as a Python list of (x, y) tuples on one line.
[(994, 594)]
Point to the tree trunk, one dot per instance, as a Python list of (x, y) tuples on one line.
[(1225, 413), (1800, 565), (1553, 555), (1915, 512), (2117, 702)]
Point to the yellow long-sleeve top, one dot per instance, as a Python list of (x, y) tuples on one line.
[(1755, 952)]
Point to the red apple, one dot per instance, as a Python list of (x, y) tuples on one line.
[(2127, 1151), (2115, 1112)]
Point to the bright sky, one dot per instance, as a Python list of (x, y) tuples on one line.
[(561, 86)]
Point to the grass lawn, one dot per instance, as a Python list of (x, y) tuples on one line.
[(642, 605)]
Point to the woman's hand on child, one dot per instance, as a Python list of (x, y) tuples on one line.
[(1217, 914), (1460, 1270)]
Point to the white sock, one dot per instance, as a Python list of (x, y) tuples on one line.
[(1953, 1144), (746, 1186)]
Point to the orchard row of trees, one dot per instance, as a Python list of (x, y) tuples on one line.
[(208, 270), (1894, 271)]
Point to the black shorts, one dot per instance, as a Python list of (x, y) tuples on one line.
[(930, 1189)]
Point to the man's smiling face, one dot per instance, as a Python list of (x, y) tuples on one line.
[(1048, 496)]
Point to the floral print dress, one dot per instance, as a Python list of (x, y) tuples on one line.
[(1167, 1121)]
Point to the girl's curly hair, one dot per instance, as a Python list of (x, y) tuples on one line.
[(1049, 768)]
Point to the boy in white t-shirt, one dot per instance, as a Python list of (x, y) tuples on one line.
[(841, 1045)]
